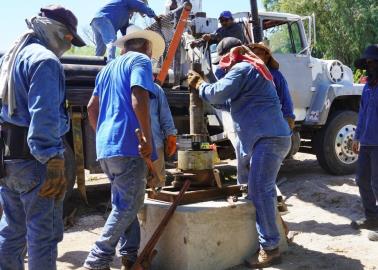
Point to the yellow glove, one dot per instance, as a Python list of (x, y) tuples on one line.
[(194, 79), (55, 184), (291, 122)]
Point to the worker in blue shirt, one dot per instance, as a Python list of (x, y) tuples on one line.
[(33, 123), (120, 105), (163, 130), (262, 51), (254, 106), (113, 17), (229, 28), (366, 141)]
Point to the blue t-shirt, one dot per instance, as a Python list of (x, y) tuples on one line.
[(117, 120)]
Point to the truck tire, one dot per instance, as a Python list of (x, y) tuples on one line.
[(70, 171), (333, 144)]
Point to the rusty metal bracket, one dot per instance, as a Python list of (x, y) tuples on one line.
[(77, 135)]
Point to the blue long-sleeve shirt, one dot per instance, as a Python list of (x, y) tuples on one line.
[(254, 104), (367, 126), (283, 93), (118, 11), (40, 97), (162, 124)]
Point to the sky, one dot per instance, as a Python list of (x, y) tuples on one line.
[(14, 13)]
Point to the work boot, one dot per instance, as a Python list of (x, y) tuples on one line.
[(264, 258), (365, 223), (373, 236), (126, 263)]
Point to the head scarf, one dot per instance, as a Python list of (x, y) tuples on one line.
[(51, 33), (244, 54)]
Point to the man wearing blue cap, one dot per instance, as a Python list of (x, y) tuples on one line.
[(228, 29)]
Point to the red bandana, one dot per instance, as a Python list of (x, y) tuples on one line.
[(244, 54)]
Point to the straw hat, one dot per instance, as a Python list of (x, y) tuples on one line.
[(134, 32), (272, 62)]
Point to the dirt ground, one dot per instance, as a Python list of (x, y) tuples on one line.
[(320, 209)]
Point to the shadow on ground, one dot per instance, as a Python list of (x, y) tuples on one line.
[(300, 258)]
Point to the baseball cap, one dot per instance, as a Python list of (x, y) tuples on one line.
[(226, 15), (224, 46), (65, 16), (370, 52)]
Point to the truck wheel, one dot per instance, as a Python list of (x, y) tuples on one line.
[(70, 171), (333, 144)]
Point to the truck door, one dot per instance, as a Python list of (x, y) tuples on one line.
[(289, 46)]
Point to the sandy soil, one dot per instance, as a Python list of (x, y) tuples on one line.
[(320, 209)]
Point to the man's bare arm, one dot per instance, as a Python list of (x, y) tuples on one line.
[(93, 111), (140, 103)]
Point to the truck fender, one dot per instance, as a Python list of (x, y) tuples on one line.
[(322, 101)]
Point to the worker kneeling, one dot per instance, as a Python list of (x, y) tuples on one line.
[(248, 90)]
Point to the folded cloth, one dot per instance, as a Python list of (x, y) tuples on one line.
[(6, 71), (244, 54)]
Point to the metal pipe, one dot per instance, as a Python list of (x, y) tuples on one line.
[(197, 124), (257, 31), (83, 60)]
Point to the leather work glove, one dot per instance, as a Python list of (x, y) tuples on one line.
[(55, 184), (170, 147), (291, 122), (194, 79), (356, 147)]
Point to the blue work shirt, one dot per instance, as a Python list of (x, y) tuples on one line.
[(162, 124), (118, 11), (283, 92), (117, 120), (367, 126), (39, 86), (235, 31), (254, 104)]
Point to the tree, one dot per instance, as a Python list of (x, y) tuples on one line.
[(344, 27)]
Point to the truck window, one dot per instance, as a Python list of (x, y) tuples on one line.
[(296, 35), (283, 36), (279, 38)]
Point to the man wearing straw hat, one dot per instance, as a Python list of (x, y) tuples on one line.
[(120, 105)]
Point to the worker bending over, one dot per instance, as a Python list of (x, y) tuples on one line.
[(33, 122), (248, 89), (120, 105), (113, 17)]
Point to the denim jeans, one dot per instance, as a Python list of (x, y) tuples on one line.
[(105, 35), (128, 182), (268, 154), (367, 179), (28, 219)]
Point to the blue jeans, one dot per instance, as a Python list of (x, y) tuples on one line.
[(128, 182), (28, 219), (268, 154), (367, 179), (105, 35)]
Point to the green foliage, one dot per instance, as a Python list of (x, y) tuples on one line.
[(344, 27), (358, 74), (86, 50)]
